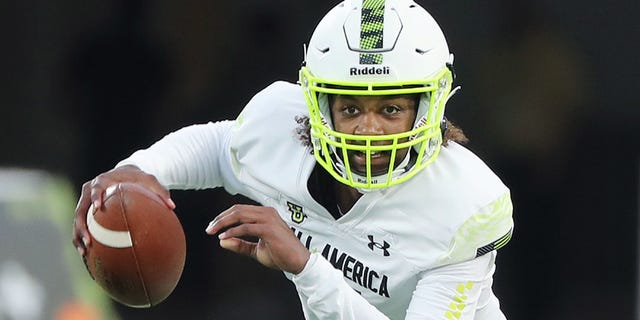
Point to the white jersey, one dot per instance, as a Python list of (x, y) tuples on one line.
[(424, 249)]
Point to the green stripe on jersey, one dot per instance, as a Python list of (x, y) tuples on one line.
[(487, 230)]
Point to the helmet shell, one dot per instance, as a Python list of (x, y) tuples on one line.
[(413, 46)]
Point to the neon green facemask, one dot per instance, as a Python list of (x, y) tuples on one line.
[(331, 148)]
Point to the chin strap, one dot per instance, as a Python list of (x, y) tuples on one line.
[(453, 91)]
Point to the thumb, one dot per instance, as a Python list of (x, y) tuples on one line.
[(239, 246)]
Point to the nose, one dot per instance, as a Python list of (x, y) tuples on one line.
[(369, 124)]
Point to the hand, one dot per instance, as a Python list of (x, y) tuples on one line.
[(93, 193), (277, 246)]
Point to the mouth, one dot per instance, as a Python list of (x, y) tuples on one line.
[(374, 154), (379, 162)]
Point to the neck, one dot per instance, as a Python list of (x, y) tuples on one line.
[(345, 196)]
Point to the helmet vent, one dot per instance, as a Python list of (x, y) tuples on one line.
[(420, 51)]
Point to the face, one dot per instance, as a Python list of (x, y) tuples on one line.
[(373, 115)]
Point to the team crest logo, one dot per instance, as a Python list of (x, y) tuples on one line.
[(382, 246), (297, 215)]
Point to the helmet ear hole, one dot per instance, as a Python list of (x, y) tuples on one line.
[(452, 69)]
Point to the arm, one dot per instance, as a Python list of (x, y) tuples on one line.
[(322, 288), (188, 158), (325, 295), (458, 291), (461, 291)]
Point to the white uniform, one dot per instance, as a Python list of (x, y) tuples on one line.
[(424, 249)]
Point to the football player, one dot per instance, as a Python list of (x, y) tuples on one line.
[(370, 204)]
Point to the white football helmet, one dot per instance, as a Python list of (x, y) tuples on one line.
[(377, 47)]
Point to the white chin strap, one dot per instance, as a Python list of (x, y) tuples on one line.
[(454, 91), (338, 164)]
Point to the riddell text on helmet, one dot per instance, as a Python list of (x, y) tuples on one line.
[(368, 71)]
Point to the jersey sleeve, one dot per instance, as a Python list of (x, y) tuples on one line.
[(459, 291), (487, 230), (194, 157), (325, 295), (243, 155)]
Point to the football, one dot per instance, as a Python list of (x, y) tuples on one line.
[(138, 248)]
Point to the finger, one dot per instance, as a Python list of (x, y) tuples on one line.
[(236, 215), (239, 246), (80, 237), (129, 173), (155, 186), (243, 230), (170, 203), (96, 191), (166, 198), (162, 192), (77, 241)]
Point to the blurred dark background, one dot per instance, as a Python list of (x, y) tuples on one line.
[(549, 99)]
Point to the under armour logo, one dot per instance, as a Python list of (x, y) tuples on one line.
[(382, 246), (297, 215)]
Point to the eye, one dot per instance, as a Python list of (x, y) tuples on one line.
[(391, 109), (349, 110)]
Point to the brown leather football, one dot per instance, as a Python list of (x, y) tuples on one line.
[(138, 247)]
